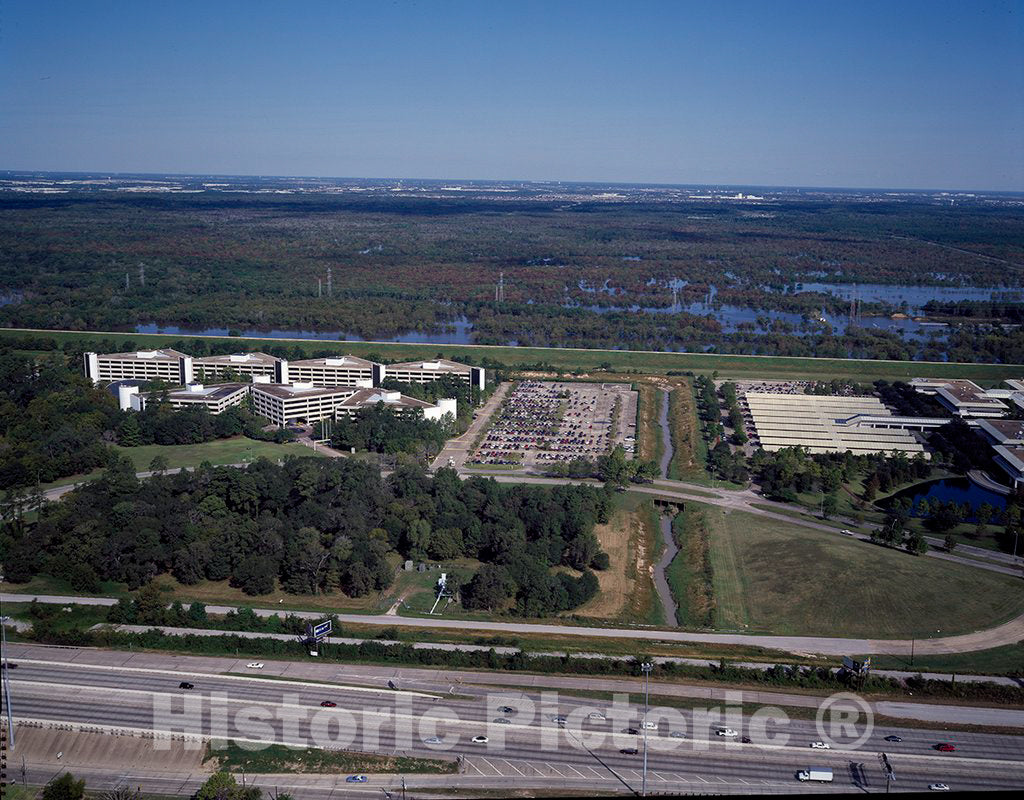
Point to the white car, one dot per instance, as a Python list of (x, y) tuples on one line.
[(728, 733), (596, 715), (255, 665), (433, 740), (938, 787), (480, 740), (651, 726), (846, 532), (821, 746)]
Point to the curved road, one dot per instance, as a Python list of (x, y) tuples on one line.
[(1008, 633)]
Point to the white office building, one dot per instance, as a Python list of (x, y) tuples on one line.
[(239, 364), (336, 371), (427, 371), (214, 399), (165, 365), (286, 403)]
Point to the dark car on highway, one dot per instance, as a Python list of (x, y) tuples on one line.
[(894, 738), (945, 747), (186, 685), (629, 751), (327, 704)]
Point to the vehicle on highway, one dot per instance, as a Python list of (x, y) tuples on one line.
[(629, 751), (503, 721), (432, 740), (559, 719), (893, 738), (255, 665), (820, 774), (821, 746), (596, 715), (677, 735), (745, 740), (631, 731), (186, 685), (728, 733), (651, 726), (356, 779), (327, 704), (846, 532), (938, 787), (480, 740), (505, 709), (945, 747)]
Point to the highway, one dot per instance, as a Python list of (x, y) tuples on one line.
[(531, 749)]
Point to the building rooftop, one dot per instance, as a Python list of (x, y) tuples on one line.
[(166, 354), (1003, 430), (237, 358), (198, 391), (370, 397), (289, 391), (1012, 455), (437, 365), (334, 361)]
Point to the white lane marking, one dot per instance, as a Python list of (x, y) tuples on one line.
[(474, 766), (656, 775), (513, 766), (497, 772), (570, 766), (552, 768)]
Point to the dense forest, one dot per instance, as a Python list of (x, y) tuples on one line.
[(581, 274), (313, 526)]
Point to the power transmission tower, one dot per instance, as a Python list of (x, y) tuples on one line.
[(142, 275), (330, 290), (499, 289)]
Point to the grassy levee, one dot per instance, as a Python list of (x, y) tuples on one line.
[(626, 361), (277, 758), (689, 575), (770, 576)]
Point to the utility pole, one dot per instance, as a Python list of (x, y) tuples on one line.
[(330, 291), (319, 287), (7, 685), (142, 275), (647, 666)]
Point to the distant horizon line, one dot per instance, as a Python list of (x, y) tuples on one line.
[(530, 181)]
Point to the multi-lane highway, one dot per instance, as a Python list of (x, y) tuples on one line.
[(532, 749)]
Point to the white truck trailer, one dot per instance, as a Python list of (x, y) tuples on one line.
[(820, 774)]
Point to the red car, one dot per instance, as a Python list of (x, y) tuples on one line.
[(328, 704), (945, 747)]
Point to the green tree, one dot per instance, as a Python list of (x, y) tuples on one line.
[(64, 788), (829, 506), (129, 434), (159, 464)]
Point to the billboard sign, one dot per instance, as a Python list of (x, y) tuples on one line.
[(320, 630)]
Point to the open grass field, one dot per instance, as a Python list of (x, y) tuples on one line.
[(236, 450), (618, 582), (689, 450), (569, 359), (649, 446), (230, 757), (770, 576)]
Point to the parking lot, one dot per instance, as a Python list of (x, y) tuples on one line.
[(541, 422)]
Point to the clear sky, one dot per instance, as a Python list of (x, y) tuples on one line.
[(900, 93)]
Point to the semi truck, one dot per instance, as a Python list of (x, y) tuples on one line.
[(820, 774)]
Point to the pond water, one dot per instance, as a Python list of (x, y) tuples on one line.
[(916, 297), (960, 490)]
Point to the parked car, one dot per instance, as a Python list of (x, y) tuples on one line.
[(327, 704), (186, 685), (945, 747)]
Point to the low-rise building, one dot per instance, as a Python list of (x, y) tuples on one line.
[(215, 398), (1008, 432), (962, 397), (1010, 459), (397, 402), (427, 371), (165, 365)]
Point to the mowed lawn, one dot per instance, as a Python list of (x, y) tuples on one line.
[(773, 577), (237, 450)]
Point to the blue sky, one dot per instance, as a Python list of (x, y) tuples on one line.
[(877, 94)]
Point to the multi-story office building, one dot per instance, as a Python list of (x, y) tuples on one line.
[(336, 371), (165, 365), (426, 371), (284, 403), (240, 364)]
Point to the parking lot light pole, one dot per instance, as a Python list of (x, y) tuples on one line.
[(646, 667)]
